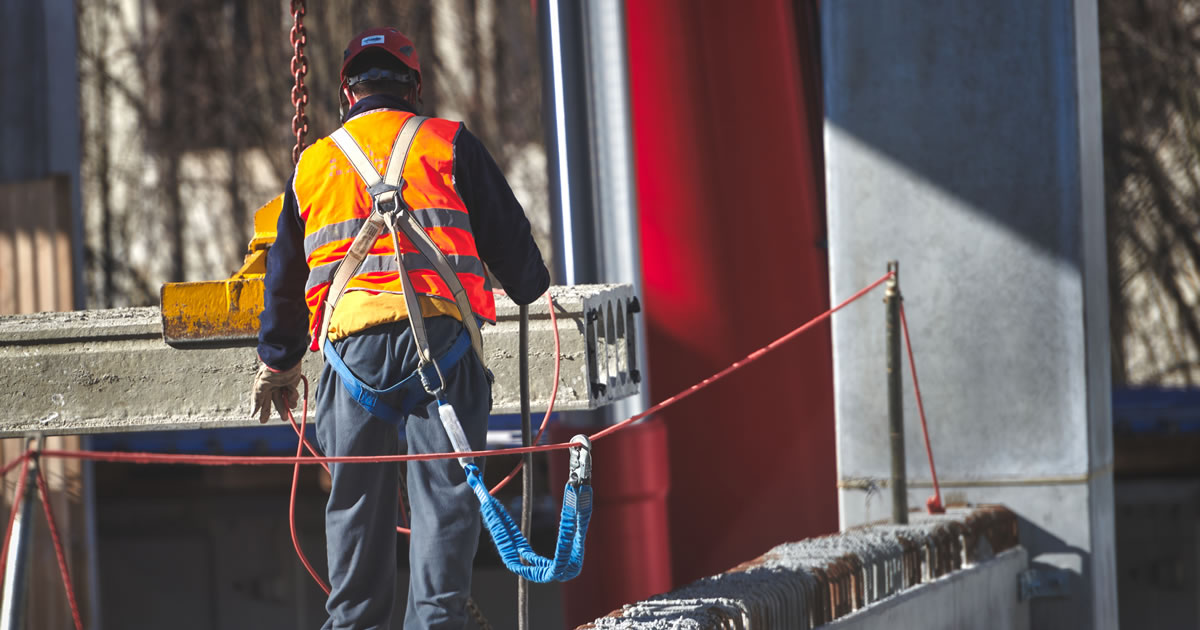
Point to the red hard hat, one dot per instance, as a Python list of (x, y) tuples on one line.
[(384, 38)]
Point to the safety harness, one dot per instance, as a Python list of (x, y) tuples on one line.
[(390, 212)]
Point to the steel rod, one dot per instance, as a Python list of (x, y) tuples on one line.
[(527, 461), (16, 572), (895, 393)]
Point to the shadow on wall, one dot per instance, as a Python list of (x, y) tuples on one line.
[(1054, 554), (998, 83)]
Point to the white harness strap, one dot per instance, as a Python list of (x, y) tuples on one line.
[(388, 206), (366, 237), (420, 238)]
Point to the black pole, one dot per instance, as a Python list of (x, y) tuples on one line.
[(569, 153), (527, 461), (899, 483)]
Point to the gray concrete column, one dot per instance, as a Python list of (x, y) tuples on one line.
[(963, 139)]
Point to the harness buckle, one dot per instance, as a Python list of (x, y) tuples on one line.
[(431, 379), (386, 197), (580, 467), (381, 187)]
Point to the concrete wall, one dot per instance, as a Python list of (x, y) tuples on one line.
[(942, 572), (980, 597), (963, 139)]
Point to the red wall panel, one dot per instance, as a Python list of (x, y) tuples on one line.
[(731, 218)]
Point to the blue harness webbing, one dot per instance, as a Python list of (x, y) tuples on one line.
[(411, 391), (514, 548)]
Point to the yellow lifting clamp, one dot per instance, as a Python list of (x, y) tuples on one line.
[(223, 312)]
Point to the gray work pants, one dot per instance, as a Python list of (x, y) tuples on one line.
[(362, 513)]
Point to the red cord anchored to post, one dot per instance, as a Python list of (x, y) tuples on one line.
[(211, 460), (221, 460), (933, 504), (269, 460)]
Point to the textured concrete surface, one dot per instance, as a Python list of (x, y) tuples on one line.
[(1059, 533), (963, 139), (103, 371), (980, 597), (969, 557)]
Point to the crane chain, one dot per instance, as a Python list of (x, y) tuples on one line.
[(299, 37)]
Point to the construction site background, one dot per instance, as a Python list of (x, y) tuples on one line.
[(185, 131), (186, 119)]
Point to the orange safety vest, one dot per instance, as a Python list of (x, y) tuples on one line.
[(334, 205)]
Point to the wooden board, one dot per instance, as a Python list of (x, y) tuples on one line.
[(36, 275), (35, 246)]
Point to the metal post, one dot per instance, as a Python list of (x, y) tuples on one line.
[(16, 572), (612, 221), (527, 460), (899, 483)]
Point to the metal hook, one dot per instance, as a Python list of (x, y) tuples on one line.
[(581, 461)]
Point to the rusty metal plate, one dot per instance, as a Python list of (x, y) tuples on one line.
[(222, 313)]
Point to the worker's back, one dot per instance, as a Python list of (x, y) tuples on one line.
[(334, 203)]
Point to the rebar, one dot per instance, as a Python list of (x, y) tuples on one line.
[(895, 393), (526, 460)]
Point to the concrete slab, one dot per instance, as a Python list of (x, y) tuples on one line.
[(104, 371)]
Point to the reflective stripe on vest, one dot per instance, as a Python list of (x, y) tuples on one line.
[(334, 204)]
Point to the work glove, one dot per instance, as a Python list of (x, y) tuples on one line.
[(275, 386)]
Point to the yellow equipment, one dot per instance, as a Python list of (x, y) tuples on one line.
[(223, 312)]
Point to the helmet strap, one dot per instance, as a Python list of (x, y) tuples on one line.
[(378, 74)]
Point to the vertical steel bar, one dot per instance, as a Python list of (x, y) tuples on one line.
[(895, 393), (16, 573), (527, 461), (613, 221), (92, 537)]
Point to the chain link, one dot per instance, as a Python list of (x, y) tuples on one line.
[(299, 37)]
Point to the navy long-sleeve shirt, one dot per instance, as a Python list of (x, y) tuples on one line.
[(502, 238)]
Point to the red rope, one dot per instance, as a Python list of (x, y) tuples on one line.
[(16, 507), (274, 460), (300, 430), (737, 365), (933, 504), (300, 444), (13, 464), (58, 551)]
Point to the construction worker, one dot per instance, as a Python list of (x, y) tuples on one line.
[(457, 193)]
